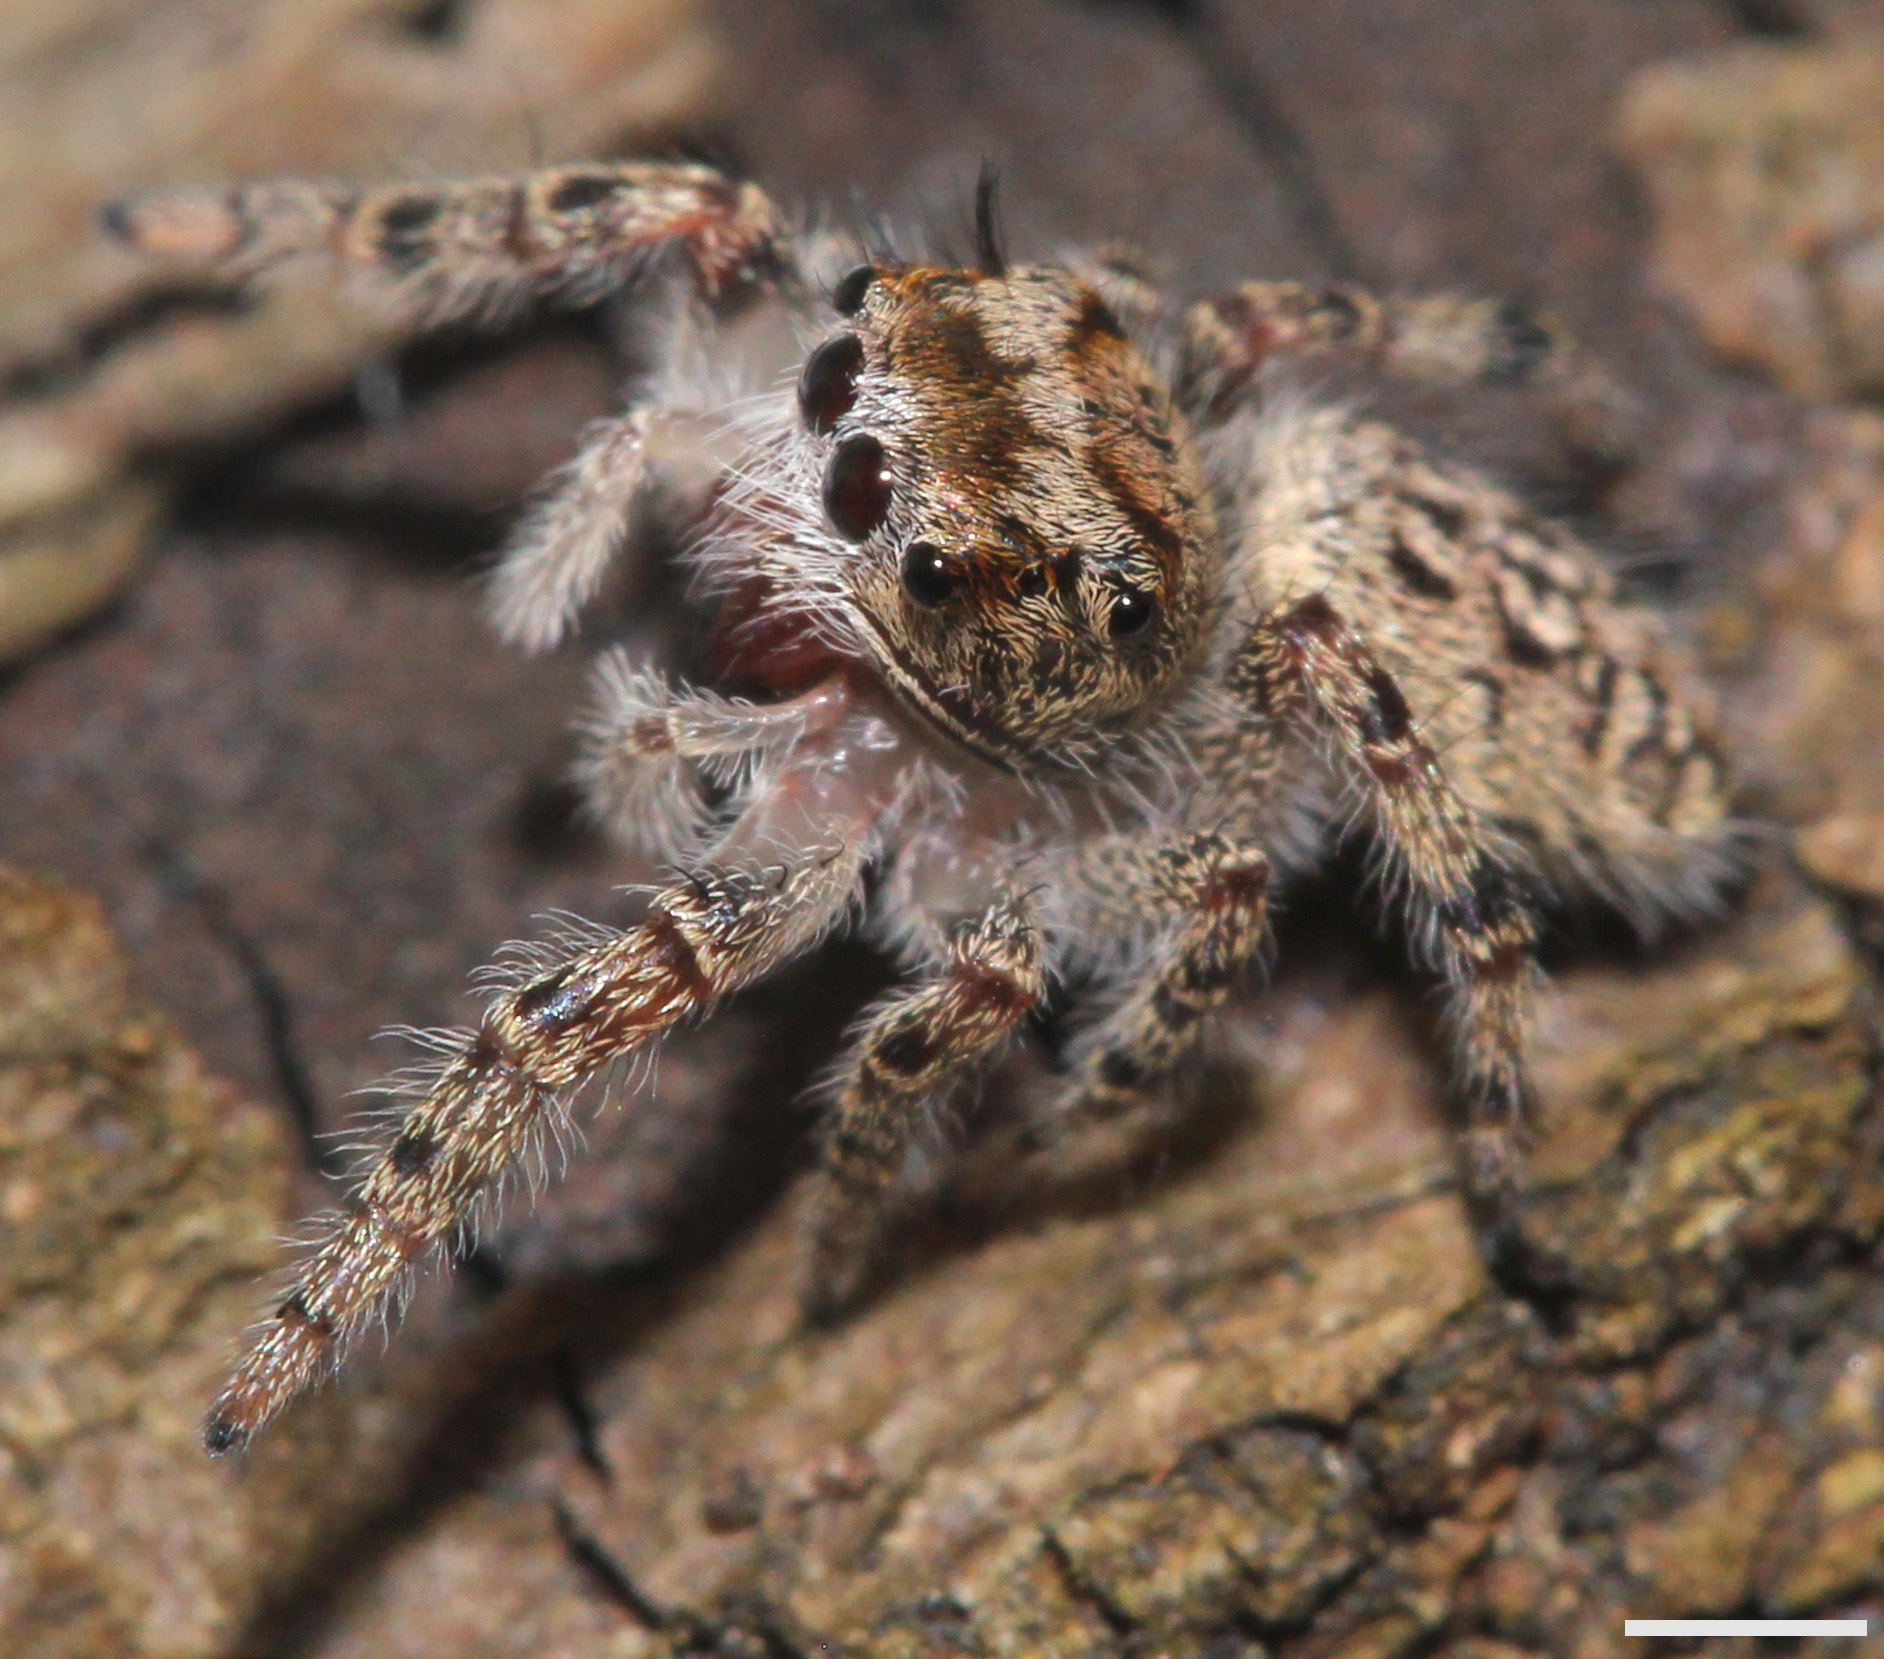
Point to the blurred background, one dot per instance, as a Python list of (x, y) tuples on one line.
[(268, 785)]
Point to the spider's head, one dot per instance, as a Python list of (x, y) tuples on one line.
[(1018, 525)]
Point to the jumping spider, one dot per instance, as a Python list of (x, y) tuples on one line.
[(1048, 616)]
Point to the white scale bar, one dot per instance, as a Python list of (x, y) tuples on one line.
[(1746, 1627)]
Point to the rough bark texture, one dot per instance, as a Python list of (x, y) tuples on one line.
[(104, 370), (1256, 1399)]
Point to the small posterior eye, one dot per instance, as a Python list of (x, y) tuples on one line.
[(848, 296), (929, 578), (828, 386), (857, 487), (1132, 611)]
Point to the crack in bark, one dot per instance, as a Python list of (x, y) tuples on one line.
[(274, 1007), (1083, 1591), (1245, 96), (579, 1415), (608, 1575)]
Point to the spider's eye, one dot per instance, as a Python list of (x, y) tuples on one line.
[(848, 296), (857, 487), (929, 578), (1132, 611), (828, 387)]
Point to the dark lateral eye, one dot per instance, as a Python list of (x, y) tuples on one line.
[(828, 386), (928, 577), (1132, 611), (857, 487), (848, 296)]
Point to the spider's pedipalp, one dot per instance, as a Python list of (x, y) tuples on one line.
[(556, 557), (646, 747)]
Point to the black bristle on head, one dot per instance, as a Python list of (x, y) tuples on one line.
[(989, 255)]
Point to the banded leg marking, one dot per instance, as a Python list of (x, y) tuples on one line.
[(476, 247), (1460, 895), (1218, 891), (503, 1086), (910, 1049), (1448, 339)]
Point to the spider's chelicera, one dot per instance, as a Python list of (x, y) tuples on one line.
[(1032, 602)]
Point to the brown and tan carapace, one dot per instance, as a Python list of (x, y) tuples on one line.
[(1049, 644)]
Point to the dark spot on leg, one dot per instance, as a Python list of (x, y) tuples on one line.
[(986, 990), (220, 1435), (413, 1151), (1315, 618), (1419, 576), (1524, 647), (1119, 1068), (1094, 322), (295, 1311), (541, 994), (1518, 344), (117, 220), (1459, 915), (1391, 715), (906, 1052), (1449, 519), (1494, 689), (1601, 701), (1503, 966), (518, 242), (1391, 771), (1175, 1011), (402, 243), (668, 946), (1238, 887), (582, 190), (1339, 315), (486, 1050), (1656, 730), (650, 735), (858, 1146)]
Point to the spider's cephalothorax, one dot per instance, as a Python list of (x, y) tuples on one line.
[(1055, 623), (1024, 546)]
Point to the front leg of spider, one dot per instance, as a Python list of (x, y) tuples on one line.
[(1310, 661), (1454, 340), (909, 1051), (504, 1086), (477, 248), (483, 249)]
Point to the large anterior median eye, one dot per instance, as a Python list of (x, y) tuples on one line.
[(828, 386), (857, 487)]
